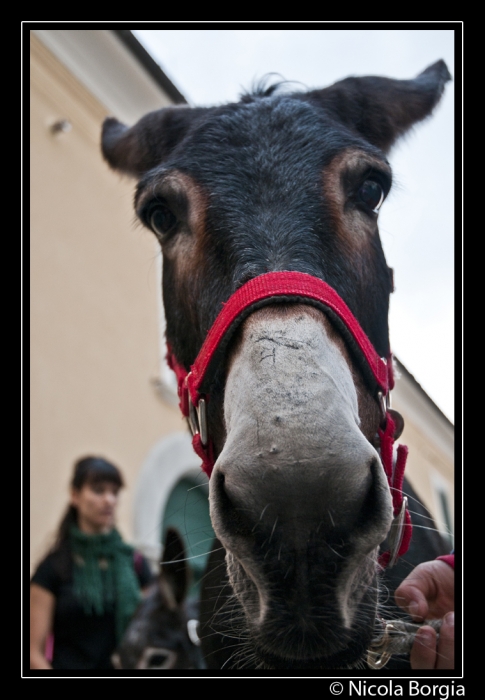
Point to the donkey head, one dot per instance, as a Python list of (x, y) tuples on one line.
[(162, 633), (284, 182)]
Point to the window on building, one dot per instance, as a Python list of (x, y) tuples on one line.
[(442, 495)]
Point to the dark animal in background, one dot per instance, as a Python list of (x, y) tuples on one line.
[(163, 631), (299, 499)]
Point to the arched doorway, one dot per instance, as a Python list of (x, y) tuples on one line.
[(187, 510), (172, 490)]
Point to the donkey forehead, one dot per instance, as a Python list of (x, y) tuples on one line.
[(283, 125), (274, 143), (177, 181)]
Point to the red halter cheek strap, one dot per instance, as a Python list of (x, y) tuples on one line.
[(297, 287)]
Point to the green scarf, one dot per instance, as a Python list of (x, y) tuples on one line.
[(104, 576)]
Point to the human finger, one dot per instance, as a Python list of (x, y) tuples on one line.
[(428, 591), (423, 653), (412, 599), (446, 643)]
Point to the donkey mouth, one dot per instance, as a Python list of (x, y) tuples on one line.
[(351, 657), (315, 629), (298, 641)]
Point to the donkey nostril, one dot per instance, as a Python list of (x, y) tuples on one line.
[(225, 494), (220, 491), (229, 508), (220, 479)]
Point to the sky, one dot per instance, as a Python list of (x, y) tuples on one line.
[(416, 223)]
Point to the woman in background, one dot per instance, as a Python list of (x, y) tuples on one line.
[(85, 591)]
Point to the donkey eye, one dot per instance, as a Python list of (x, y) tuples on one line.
[(158, 660), (372, 195), (153, 657), (162, 221)]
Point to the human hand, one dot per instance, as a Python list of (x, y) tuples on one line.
[(431, 652), (428, 593)]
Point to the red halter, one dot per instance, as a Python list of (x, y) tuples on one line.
[(278, 287)]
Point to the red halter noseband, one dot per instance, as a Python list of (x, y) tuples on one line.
[(280, 287)]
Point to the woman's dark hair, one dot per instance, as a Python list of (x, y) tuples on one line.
[(92, 470), (87, 470)]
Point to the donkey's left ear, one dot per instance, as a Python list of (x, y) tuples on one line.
[(383, 109)]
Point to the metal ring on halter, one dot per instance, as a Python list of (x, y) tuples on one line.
[(202, 415), (384, 403), (198, 419), (385, 406), (377, 659), (377, 655), (397, 637)]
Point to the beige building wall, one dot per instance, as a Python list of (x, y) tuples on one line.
[(95, 311), (429, 436)]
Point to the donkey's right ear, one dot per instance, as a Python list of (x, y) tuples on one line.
[(145, 145), (174, 567), (383, 109)]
